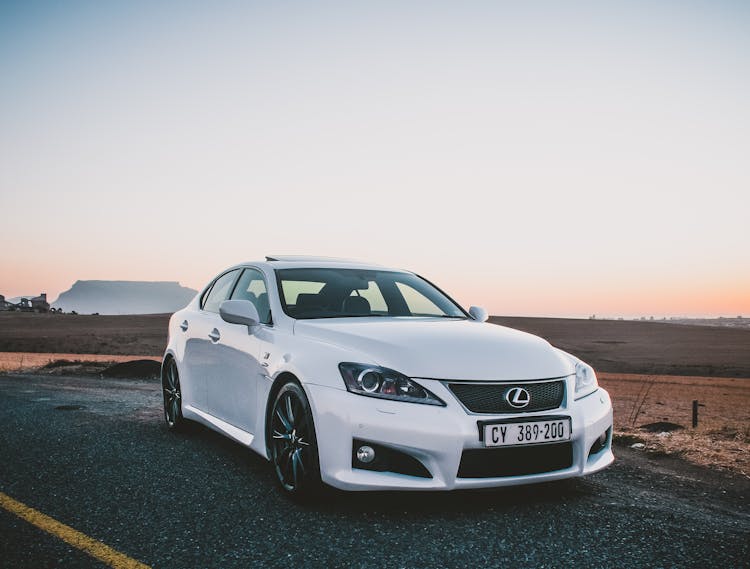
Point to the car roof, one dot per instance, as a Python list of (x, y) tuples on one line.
[(311, 262)]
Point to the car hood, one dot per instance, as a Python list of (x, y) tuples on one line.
[(439, 348)]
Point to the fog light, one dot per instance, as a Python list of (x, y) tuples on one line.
[(600, 443), (365, 454)]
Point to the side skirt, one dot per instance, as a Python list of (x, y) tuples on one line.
[(234, 433)]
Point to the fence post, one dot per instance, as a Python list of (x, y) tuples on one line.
[(695, 413)]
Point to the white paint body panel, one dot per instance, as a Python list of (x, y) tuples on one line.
[(226, 385), (442, 348)]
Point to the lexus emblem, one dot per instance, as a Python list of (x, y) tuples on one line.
[(518, 397)]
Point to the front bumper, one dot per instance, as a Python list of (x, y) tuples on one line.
[(437, 437)]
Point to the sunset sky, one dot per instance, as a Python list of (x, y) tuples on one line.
[(535, 158)]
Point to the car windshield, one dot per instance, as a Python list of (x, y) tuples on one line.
[(340, 293)]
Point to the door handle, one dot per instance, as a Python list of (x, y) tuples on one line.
[(184, 325), (214, 335)]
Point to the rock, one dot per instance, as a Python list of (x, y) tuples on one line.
[(661, 426), (135, 369), (638, 446)]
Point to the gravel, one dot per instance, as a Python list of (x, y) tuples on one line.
[(109, 468)]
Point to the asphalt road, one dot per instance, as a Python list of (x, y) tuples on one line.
[(105, 465)]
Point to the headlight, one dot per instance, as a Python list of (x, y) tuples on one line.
[(375, 381), (585, 380)]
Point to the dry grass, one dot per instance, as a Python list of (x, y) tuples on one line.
[(722, 439), (26, 361)]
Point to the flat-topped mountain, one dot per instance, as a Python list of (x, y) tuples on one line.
[(124, 297)]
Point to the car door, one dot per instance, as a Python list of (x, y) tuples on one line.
[(195, 326), (201, 357), (234, 391)]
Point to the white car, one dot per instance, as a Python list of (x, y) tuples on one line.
[(366, 378)]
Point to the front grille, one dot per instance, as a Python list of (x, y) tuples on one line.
[(515, 461), (491, 397)]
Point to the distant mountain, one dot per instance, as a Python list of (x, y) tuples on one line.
[(124, 297)]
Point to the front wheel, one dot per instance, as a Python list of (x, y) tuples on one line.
[(293, 445)]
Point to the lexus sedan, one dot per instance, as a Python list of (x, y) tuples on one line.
[(366, 378)]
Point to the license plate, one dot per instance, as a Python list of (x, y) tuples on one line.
[(533, 432)]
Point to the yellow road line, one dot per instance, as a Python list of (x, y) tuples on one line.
[(70, 536)]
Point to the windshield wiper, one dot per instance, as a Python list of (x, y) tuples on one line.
[(449, 316)]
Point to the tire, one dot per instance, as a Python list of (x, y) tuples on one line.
[(170, 388), (293, 446)]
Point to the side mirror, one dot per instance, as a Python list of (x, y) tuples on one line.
[(478, 313), (239, 312)]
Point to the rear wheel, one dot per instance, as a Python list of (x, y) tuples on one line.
[(293, 445), (170, 383)]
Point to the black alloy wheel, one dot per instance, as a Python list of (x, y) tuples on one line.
[(292, 443), (170, 383)]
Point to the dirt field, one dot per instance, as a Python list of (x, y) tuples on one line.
[(645, 347), (609, 345), (83, 334)]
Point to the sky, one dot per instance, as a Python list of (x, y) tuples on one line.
[(534, 158)]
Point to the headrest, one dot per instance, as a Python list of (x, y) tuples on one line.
[(308, 301), (356, 305)]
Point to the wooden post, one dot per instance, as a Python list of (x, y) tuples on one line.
[(695, 413)]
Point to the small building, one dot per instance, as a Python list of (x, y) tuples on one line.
[(35, 304), (39, 303)]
